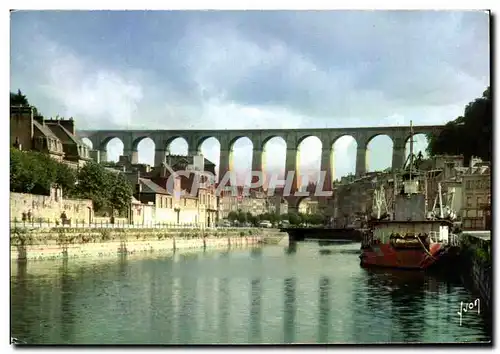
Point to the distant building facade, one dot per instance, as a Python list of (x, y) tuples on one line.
[(55, 137)]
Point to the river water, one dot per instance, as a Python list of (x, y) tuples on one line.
[(307, 293)]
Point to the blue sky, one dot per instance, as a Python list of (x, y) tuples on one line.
[(264, 69)]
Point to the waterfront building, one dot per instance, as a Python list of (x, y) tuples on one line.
[(309, 207), (278, 205), (476, 197), (353, 197), (185, 201), (470, 187), (55, 137), (256, 202)]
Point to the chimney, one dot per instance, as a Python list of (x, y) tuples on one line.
[(39, 119), (68, 124)]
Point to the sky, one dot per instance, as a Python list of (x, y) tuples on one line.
[(252, 69)]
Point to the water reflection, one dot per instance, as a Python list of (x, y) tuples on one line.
[(162, 297), (255, 311), (188, 309), (224, 301), (324, 309), (289, 309), (326, 252), (67, 315), (18, 297), (173, 300), (292, 248), (256, 252)]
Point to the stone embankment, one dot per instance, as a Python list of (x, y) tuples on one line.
[(40, 244), (476, 262)]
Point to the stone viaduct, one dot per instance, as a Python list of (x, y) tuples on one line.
[(259, 137)]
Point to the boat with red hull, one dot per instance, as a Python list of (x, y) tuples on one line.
[(409, 237), (410, 248)]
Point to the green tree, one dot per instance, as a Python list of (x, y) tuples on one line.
[(66, 178), (468, 135), (316, 219), (273, 217), (232, 216), (242, 216), (18, 99), (35, 172), (121, 192), (294, 218), (94, 183), (32, 172), (22, 175), (255, 220), (304, 218)]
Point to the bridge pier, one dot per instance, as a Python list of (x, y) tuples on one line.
[(133, 155), (257, 164), (224, 162), (326, 167), (291, 166), (160, 156), (361, 161), (398, 154), (103, 155)]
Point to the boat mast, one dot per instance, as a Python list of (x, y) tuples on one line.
[(395, 194), (426, 196), (441, 214), (411, 149)]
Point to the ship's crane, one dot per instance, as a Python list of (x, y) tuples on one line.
[(442, 210), (380, 209)]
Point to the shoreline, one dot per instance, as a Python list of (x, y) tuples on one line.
[(38, 245)]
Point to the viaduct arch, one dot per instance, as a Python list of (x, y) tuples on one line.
[(258, 137)]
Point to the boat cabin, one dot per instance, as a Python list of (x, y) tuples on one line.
[(431, 230)]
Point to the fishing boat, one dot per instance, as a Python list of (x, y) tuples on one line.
[(409, 236)]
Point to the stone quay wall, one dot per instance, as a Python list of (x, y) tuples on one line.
[(476, 262), (38, 244), (45, 208)]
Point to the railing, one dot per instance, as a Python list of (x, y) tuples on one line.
[(453, 239), (47, 224), (434, 237)]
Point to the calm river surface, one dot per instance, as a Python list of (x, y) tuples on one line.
[(310, 293)]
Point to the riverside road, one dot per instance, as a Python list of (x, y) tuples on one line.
[(309, 293)]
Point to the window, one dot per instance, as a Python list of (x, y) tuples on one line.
[(161, 201), (479, 201), (467, 223), (469, 201), (480, 213), (471, 213), (477, 224)]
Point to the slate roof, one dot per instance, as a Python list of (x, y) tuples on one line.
[(70, 136), (45, 130), (149, 186)]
